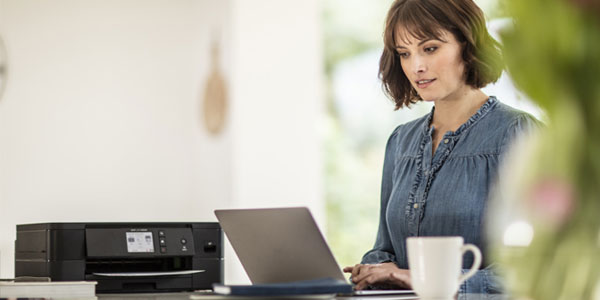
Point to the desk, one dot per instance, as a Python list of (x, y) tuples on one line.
[(152, 296), (200, 296)]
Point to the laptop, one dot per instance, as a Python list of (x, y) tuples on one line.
[(282, 245)]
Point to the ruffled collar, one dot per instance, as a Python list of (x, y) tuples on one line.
[(482, 111)]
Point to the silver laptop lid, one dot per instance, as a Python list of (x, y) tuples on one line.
[(279, 244)]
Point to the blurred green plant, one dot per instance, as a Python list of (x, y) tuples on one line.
[(553, 55)]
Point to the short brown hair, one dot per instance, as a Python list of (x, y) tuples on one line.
[(426, 19)]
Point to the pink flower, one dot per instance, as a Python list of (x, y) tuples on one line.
[(552, 200)]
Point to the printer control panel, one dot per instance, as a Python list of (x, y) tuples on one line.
[(139, 241), (179, 241)]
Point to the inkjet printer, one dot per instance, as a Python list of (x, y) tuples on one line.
[(123, 257)]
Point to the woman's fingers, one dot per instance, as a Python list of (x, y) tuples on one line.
[(364, 283), (401, 279), (367, 275), (370, 279), (356, 271), (364, 275), (363, 271)]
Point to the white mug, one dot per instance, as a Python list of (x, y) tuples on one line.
[(435, 265)]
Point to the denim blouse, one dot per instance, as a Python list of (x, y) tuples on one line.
[(444, 194)]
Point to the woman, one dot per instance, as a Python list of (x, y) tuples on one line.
[(438, 169)]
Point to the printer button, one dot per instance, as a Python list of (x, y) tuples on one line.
[(163, 249), (163, 242), (183, 241), (161, 233), (210, 247)]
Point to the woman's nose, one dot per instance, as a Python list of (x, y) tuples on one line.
[(419, 65)]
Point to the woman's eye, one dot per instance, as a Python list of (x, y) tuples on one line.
[(430, 49), (403, 54)]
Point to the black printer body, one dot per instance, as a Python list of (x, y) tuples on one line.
[(123, 257)]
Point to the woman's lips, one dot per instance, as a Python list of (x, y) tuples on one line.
[(423, 83)]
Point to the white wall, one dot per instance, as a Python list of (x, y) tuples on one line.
[(277, 71), (101, 119), (280, 48)]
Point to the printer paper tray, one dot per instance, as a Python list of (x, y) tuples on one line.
[(149, 274)]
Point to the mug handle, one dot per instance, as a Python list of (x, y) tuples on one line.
[(476, 261)]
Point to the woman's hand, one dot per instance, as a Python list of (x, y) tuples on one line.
[(385, 273)]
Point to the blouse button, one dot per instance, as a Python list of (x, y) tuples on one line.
[(416, 205), (446, 141)]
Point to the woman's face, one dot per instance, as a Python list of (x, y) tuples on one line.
[(434, 67)]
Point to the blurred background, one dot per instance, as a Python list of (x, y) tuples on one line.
[(148, 110)]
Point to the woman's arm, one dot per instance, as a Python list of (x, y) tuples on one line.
[(523, 125), (485, 281), (378, 266)]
